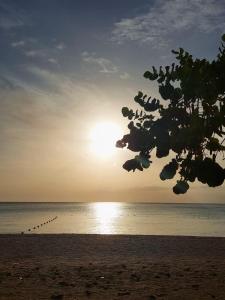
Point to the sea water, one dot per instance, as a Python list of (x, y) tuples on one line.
[(113, 218)]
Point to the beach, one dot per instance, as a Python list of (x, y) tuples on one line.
[(66, 266)]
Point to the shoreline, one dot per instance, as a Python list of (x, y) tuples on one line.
[(125, 235), (80, 266)]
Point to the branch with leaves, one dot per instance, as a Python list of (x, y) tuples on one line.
[(188, 122)]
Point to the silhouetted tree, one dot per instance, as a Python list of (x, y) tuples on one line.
[(188, 123)]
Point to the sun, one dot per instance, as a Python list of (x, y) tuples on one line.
[(103, 137)]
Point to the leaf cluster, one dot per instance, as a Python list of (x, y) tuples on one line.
[(187, 122)]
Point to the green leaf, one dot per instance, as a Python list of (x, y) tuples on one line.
[(125, 111), (214, 145)]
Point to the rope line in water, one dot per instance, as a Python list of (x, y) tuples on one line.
[(38, 226)]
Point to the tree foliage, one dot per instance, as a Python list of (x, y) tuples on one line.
[(188, 122)]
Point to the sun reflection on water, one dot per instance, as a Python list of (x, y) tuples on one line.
[(106, 214)]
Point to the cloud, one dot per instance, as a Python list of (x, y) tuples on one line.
[(28, 42), (59, 86), (53, 60), (28, 104), (47, 102), (6, 84), (39, 51), (18, 44), (10, 17), (36, 53), (8, 22), (44, 54), (125, 75), (106, 65), (61, 46), (166, 18)]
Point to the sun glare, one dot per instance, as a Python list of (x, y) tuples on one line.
[(106, 214), (103, 139)]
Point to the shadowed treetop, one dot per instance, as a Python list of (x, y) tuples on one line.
[(187, 123)]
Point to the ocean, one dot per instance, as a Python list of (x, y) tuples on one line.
[(113, 218)]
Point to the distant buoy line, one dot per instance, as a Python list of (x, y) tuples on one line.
[(40, 225)]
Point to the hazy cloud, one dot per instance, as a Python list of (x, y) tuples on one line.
[(44, 54), (35, 53), (11, 17), (168, 17), (61, 46), (106, 65), (8, 23), (53, 60), (68, 90), (125, 75), (18, 44), (6, 84), (29, 106)]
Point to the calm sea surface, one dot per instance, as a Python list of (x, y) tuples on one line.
[(113, 218)]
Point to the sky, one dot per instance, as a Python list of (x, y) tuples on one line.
[(67, 66)]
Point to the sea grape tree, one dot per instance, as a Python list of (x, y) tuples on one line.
[(187, 123)]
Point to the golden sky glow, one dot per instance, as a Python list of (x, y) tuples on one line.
[(65, 74)]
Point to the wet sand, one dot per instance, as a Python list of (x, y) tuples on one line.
[(111, 267)]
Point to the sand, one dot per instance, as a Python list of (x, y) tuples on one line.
[(111, 267)]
